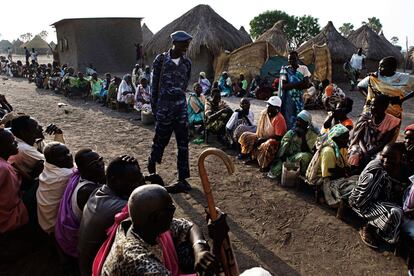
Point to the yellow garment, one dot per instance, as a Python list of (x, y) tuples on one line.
[(328, 161), (377, 87)]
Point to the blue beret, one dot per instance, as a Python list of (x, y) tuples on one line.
[(180, 36)]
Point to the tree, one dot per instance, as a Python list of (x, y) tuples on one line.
[(267, 19), (43, 34), (26, 37), (346, 29), (307, 27), (297, 29), (394, 40), (374, 23)]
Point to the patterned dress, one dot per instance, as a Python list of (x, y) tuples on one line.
[(371, 199)]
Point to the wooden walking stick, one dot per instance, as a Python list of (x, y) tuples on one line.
[(226, 251)]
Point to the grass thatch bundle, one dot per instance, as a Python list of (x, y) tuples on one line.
[(374, 47), (207, 28), (246, 60), (320, 57), (276, 37)]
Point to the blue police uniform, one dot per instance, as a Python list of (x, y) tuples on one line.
[(168, 86)]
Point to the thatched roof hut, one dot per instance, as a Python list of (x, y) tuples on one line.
[(243, 31), (16, 47), (373, 46), (211, 35), (276, 37), (147, 34), (246, 60), (340, 49), (4, 44), (37, 42)]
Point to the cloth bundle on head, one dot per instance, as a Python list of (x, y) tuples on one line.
[(180, 36)]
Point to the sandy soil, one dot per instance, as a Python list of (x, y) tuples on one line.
[(282, 230)]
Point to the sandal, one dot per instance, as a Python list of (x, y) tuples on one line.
[(368, 238)]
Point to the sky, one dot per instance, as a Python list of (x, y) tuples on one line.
[(395, 16)]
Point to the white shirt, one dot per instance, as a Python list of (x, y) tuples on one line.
[(123, 87), (52, 185), (176, 60), (356, 61), (234, 116)]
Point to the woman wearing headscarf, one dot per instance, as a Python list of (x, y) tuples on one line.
[(330, 160), (296, 145), (205, 83), (264, 143), (195, 106), (126, 92)]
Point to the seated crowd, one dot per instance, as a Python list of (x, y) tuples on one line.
[(111, 223)]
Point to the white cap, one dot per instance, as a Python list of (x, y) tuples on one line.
[(256, 271), (274, 101)]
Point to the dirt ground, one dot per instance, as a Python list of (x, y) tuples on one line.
[(280, 229)]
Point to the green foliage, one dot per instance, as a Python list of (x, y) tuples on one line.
[(346, 29), (394, 40), (267, 19), (297, 29), (43, 34), (307, 28), (374, 23), (26, 37)]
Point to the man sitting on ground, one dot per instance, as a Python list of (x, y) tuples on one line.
[(241, 120), (52, 184), (13, 213), (217, 113), (147, 243), (372, 197), (123, 175), (83, 182), (29, 136)]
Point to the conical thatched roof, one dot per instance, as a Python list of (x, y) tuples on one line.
[(276, 37), (373, 46), (4, 44), (207, 28), (340, 48), (243, 31), (37, 42), (147, 34)]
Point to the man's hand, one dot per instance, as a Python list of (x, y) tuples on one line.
[(129, 159), (53, 129), (204, 260), (259, 142)]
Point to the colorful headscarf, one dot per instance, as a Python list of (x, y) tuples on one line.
[(336, 131)]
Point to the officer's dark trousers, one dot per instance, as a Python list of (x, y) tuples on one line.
[(171, 116)]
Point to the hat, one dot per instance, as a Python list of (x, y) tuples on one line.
[(274, 101), (180, 36), (203, 74)]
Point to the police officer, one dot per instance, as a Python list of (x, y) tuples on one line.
[(170, 76)]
